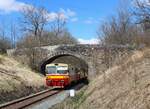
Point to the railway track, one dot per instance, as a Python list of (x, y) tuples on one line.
[(35, 98), (29, 100)]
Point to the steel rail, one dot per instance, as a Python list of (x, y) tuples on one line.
[(29, 100)]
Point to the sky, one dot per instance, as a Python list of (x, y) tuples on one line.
[(83, 16)]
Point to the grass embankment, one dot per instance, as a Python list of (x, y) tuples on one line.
[(126, 86), (17, 80), (72, 102)]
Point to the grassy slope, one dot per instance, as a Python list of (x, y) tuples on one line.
[(122, 87), (16, 80), (126, 86)]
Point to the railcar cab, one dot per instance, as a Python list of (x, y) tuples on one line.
[(57, 75)]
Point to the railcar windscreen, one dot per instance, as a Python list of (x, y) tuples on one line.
[(57, 69), (51, 69), (62, 69)]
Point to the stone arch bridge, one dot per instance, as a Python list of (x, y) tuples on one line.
[(88, 56)]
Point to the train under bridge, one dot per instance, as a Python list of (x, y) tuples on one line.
[(83, 56)]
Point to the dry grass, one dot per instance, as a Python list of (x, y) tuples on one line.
[(126, 86), (72, 103), (15, 77)]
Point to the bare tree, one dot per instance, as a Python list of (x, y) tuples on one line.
[(119, 29), (34, 24), (67, 38), (142, 13), (4, 44), (34, 20), (4, 41), (13, 34), (27, 41), (58, 25), (49, 38), (60, 32), (3, 30)]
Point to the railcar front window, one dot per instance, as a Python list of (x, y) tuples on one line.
[(62, 70), (51, 70)]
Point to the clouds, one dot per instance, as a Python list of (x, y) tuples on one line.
[(7, 6), (63, 14), (68, 12), (75, 19), (91, 20), (88, 41)]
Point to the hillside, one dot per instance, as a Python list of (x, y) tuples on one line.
[(122, 87), (17, 80), (126, 86)]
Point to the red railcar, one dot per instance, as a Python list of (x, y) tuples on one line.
[(61, 75)]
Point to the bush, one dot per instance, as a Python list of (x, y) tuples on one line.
[(4, 45)]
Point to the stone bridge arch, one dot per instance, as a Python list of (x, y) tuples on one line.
[(54, 55)]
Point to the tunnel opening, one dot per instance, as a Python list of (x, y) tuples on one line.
[(67, 59)]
